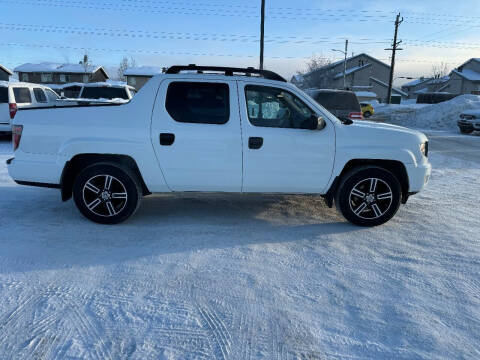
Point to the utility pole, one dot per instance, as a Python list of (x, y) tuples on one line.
[(345, 53), (394, 49), (345, 66), (262, 34)]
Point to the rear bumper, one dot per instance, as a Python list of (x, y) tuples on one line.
[(34, 172), (419, 176), (5, 128)]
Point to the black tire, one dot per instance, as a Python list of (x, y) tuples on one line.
[(367, 114), (107, 193), (466, 130), (371, 208)]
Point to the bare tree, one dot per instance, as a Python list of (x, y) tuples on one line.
[(314, 63), (124, 65), (439, 70)]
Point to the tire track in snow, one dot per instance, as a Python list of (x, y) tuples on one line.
[(218, 329)]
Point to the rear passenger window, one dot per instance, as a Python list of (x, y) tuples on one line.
[(22, 95), (198, 103), (39, 95), (3, 95)]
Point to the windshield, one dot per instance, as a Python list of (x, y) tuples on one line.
[(104, 93)]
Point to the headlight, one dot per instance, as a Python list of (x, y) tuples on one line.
[(424, 148)]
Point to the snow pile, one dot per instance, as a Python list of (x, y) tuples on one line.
[(441, 116)]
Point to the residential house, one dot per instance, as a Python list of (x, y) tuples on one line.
[(53, 73), (138, 76), (424, 85), (4, 73), (364, 73), (298, 80), (465, 79)]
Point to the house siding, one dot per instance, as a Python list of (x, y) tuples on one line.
[(36, 78), (325, 78), (4, 75)]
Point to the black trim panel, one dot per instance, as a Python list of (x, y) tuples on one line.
[(69, 106), (36, 184)]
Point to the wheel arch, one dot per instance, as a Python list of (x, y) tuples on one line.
[(396, 167), (79, 162)]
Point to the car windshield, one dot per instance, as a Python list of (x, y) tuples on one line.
[(104, 92), (337, 100)]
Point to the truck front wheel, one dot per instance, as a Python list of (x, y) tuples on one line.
[(107, 193), (368, 196)]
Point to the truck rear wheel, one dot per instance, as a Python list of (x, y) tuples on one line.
[(107, 193), (465, 130), (369, 196)]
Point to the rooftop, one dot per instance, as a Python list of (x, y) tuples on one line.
[(48, 67)]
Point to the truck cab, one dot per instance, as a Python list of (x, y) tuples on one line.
[(211, 129)]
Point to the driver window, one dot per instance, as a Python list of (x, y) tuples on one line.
[(275, 107)]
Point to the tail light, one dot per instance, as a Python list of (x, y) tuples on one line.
[(16, 135), (355, 116), (12, 107)]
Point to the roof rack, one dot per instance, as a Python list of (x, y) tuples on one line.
[(228, 71)]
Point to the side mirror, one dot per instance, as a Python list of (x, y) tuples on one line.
[(321, 123), (315, 122)]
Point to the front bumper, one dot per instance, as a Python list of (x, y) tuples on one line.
[(419, 176), (469, 125)]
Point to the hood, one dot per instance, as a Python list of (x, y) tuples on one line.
[(381, 132)]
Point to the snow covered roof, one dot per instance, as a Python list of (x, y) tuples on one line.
[(352, 70), (441, 80), (143, 71), (4, 83), (298, 78), (417, 82), (48, 67), (468, 74), (386, 85), (366, 94), (336, 63), (5, 70)]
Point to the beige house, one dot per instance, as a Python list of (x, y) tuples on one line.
[(138, 76), (465, 79), (4, 73), (53, 73), (364, 73)]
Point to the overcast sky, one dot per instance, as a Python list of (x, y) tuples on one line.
[(226, 32)]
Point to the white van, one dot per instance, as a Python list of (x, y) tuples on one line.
[(16, 95)]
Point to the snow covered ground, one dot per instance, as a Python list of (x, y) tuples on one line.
[(443, 116), (245, 277)]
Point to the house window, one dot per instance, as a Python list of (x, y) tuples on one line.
[(64, 78), (85, 78), (132, 81), (25, 77), (47, 78)]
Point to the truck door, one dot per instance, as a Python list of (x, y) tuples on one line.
[(280, 155), (196, 135)]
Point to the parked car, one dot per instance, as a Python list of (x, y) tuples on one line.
[(217, 131), (469, 121), (341, 103), (5, 127), (16, 95), (434, 98), (107, 91), (367, 109)]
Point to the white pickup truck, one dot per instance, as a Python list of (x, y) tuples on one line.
[(217, 130)]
